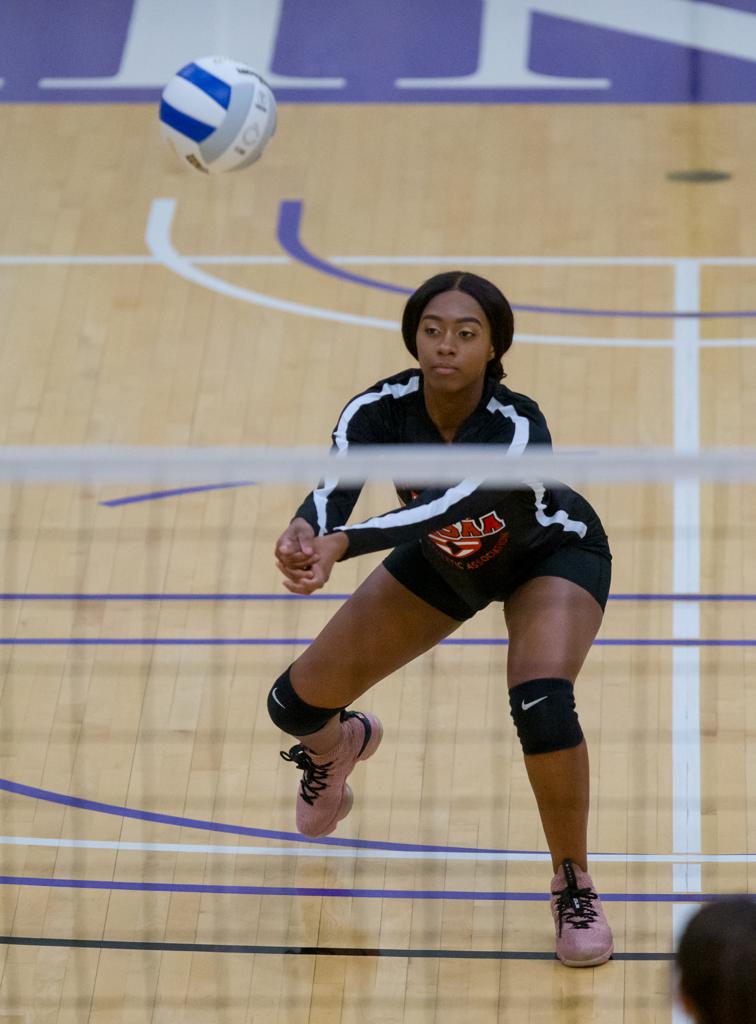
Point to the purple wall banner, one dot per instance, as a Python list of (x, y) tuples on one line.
[(347, 51)]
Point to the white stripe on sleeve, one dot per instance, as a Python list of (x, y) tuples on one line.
[(340, 437), (517, 447), (410, 516), (561, 517), (521, 437)]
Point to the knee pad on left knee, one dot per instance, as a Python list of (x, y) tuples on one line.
[(292, 714), (544, 715)]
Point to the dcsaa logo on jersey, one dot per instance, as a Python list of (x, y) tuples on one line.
[(465, 538), (218, 114)]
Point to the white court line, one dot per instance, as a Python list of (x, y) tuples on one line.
[(387, 261), (360, 853), (686, 616), (727, 343), (164, 254), (535, 339), (574, 340), (161, 232), (158, 240), (233, 261), (55, 261), (686, 621), (116, 261), (543, 261), (507, 261)]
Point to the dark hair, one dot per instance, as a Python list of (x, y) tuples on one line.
[(487, 295), (716, 959)]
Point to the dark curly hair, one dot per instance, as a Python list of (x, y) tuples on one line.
[(487, 295), (716, 960)]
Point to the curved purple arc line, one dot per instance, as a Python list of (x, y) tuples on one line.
[(273, 890), (175, 492), (381, 894), (288, 234), (80, 803), (287, 231)]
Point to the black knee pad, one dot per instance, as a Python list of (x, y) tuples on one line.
[(544, 715), (292, 714)]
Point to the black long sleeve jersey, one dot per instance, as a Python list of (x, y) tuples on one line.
[(477, 538)]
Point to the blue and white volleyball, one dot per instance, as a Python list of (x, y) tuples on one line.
[(218, 114)]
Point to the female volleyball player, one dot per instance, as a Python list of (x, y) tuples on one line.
[(716, 963), (540, 550)]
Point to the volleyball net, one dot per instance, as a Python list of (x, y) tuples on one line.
[(143, 620), (679, 522), (424, 464)]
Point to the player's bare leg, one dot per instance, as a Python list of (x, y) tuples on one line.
[(552, 623), (382, 627)]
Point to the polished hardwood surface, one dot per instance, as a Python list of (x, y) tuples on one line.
[(127, 352)]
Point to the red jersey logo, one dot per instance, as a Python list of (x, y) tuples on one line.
[(460, 540)]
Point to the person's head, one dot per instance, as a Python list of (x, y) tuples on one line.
[(716, 962), (477, 296)]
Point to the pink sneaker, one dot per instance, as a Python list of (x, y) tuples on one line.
[(583, 935), (324, 797)]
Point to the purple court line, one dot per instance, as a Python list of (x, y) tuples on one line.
[(80, 803), (682, 597), (376, 894), (290, 221), (157, 495), (288, 641), (83, 804), (174, 597), (319, 597)]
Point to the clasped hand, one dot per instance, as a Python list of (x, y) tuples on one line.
[(305, 560)]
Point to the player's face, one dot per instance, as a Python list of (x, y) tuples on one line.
[(453, 342)]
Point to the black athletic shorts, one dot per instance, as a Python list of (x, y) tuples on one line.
[(588, 568)]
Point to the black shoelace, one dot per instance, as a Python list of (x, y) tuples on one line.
[(315, 777), (575, 905)]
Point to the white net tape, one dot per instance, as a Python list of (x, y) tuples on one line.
[(419, 464)]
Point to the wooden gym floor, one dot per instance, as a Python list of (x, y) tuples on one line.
[(148, 864)]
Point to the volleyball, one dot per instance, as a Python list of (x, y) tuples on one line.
[(218, 114)]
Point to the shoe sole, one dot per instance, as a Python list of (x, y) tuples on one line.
[(596, 962)]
